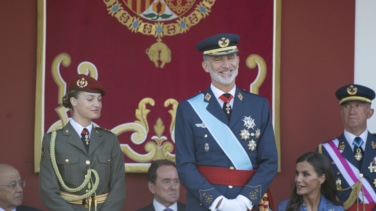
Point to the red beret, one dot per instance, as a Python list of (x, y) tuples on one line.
[(86, 83)]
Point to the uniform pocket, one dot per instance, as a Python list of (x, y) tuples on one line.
[(70, 168), (104, 167)]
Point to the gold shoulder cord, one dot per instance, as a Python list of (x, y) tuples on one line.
[(354, 193), (61, 181), (320, 148)]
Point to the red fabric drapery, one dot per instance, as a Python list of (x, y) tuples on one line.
[(147, 66)]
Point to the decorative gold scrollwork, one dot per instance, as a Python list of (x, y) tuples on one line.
[(158, 147), (252, 61)]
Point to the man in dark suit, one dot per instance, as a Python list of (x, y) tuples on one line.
[(11, 190), (163, 183), (353, 152), (226, 153)]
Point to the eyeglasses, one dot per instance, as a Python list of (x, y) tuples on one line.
[(13, 185)]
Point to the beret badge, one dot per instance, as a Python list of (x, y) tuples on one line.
[(82, 82), (223, 42), (352, 90)]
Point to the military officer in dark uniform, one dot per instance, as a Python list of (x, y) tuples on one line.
[(353, 153), (82, 166), (226, 153)]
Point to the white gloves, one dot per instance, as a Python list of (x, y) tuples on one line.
[(240, 203)]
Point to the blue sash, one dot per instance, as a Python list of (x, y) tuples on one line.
[(222, 135)]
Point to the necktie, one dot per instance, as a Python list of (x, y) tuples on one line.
[(358, 151), (167, 209), (85, 138), (226, 98)]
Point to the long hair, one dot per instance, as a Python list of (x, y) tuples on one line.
[(322, 166)]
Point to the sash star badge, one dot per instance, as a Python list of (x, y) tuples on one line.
[(244, 134), (252, 145), (249, 122), (372, 165), (258, 132)]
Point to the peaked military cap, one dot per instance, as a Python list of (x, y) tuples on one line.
[(219, 45), (355, 92), (86, 83)]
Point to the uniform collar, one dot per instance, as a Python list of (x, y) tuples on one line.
[(350, 137), (78, 128)]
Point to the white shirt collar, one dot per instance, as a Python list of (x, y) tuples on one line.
[(78, 128), (217, 93), (159, 207), (350, 137)]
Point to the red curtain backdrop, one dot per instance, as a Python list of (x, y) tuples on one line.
[(147, 66)]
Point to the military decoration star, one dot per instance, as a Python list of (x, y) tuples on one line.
[(244, 134), (252, 145), (249, 122), (258, 132)]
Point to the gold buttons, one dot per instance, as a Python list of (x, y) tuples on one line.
[(206, 135), (87, 162), (232, 168), (67, 160), (361, 175), (230, 186)]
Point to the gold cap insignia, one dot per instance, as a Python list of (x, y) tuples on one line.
[(82, 82), (223, 42), (352, 90)]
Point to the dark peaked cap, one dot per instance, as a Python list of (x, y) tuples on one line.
[(355, 92), (219, 45)]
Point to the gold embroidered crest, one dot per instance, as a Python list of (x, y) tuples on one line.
[(159, 19)]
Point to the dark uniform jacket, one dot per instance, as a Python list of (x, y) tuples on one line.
[(196, 146), (369, 159), (73, 161)]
